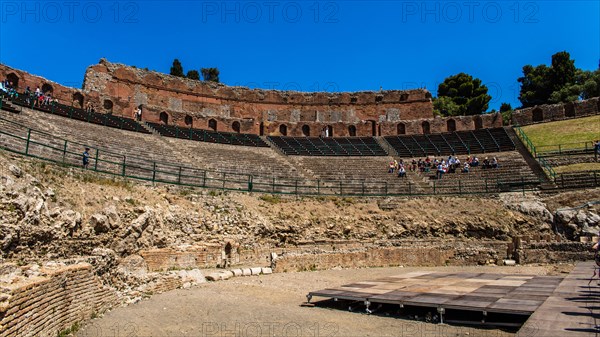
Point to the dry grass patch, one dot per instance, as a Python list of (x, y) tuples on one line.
[(572, 133), (577, 167)]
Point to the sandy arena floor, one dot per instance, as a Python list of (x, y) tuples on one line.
[(269, 305)]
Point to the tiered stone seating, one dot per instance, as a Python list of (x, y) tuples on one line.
[(180, 161), (341, 146), (578, 179), (502, 138), (264, 164), (175, 160), (513, 173), (118, 122), (460, 142), (5, 103), (208, 135), (358, 174)]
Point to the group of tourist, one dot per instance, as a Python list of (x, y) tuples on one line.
[(89, 107), (398, 167), (441, 166), (8, 88), (39, 98)]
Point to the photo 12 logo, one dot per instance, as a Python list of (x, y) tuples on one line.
[(269, 12), (470, 11), (69, 11)]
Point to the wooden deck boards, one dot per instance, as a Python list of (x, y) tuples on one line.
[(517, 294), (573, 309), (558, 306)]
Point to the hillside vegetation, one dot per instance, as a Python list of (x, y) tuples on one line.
[(570, 134)]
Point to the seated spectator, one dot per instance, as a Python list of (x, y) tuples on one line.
[(12, 93), (474, 162), (440, 171), (47, 99), (391, 167), (413, 165), (486, 163), (494, 163), (466, 168), (401, 171)]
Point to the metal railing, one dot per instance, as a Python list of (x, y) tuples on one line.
[(565, 149), (19, 139), (533, 150)]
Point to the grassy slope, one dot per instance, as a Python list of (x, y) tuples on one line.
[(572, 133), (578, 167)]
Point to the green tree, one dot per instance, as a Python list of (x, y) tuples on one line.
[(585, 84), (210, 74), (561, 82), (506, 111), (535, 86), (562, 70), (505, 107), (177, 69), (462, 94), (445, 106), (193, 75)]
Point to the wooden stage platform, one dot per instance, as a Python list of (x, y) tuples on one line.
[(573, 309), (551, 299)]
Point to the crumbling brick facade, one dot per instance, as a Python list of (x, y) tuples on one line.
[(46, 305), (554, 112), (120, 89)]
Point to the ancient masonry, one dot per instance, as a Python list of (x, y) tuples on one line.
[(120, 89), (52, 301)]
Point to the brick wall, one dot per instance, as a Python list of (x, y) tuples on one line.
[(22, 79), (549, 249), (409, 253), (194, 257), (554, 112), (46, 305), (176, 98)]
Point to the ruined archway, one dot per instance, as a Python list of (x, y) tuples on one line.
[(537, 115), (570, 109), (478, 122), (426, 128), (78, 100), (451, 125), (401, 129), (352, 131), (283, 129), (47, 88), (329, 131), (189, 121), (306, 130), (212, 124), (236, 126), (373, 128), (107, 105), (14, 79), (164, 117)]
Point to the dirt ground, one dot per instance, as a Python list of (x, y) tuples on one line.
[(269, 305)]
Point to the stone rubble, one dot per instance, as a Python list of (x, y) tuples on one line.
[(44, 217)]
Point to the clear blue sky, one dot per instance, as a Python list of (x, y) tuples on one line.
[(304, 45)]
